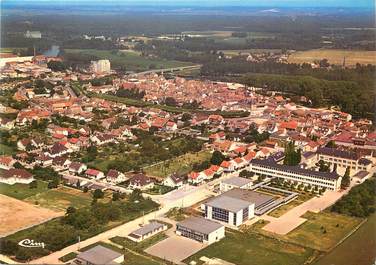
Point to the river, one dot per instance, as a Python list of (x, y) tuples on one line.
[(358, 249)]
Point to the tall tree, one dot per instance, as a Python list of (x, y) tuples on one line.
[(346, 179)]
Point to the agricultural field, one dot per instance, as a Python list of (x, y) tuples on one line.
[(241, 248), (334, 56), (16, 215), (61, 198), (130, 60), (181, 164)]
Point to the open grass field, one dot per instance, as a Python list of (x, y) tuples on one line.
[(322, 231), (22, 191), (334, 56), (16, 215), (359, 248), (132, 61), (250, 248), (181, 165), (61, 198)]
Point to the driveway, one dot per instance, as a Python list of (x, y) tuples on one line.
[(175, 248)]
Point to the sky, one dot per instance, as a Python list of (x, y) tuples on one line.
[(255, 3)]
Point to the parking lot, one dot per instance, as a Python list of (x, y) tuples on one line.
[(175, 248)]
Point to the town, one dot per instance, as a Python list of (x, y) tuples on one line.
[(104, 168)]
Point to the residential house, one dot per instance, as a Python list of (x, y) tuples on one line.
[(141, 182)]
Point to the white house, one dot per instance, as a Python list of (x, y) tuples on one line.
[(115, 177), (174, 180), (141, 182), (15, 175), (77, 167)]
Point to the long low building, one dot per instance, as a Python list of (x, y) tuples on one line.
[(147, 231), (201, 230), (267, 167), (344, 159)]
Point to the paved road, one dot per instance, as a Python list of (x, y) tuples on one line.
[(192, 197)]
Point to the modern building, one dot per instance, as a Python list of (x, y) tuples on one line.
[(344, 159), (229, 210), (201, 230), (147, 231), (235, 182), (100, 66), (268, 168), (99, 255)]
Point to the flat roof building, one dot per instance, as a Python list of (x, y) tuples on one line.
[(147, 231), (99, 255), (230, 210), (200, 229), (235, 182), (267, 167)]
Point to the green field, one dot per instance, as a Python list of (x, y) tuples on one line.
[(322, 231), (61, 198), (6, 150), (22, 191), (132, 61), (131, 258), (250, 248), (181, 165), (359, 248)]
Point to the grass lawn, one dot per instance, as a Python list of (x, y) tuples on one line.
[(292, 204), (132, 61), (131, 258), (182, 164), (22, 191), (312, 232), (334, 56), (61, 198), (250, 248), (68, 257), (139, 246), (6, 150)]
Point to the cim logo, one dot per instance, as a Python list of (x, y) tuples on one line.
[(29, 243)]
